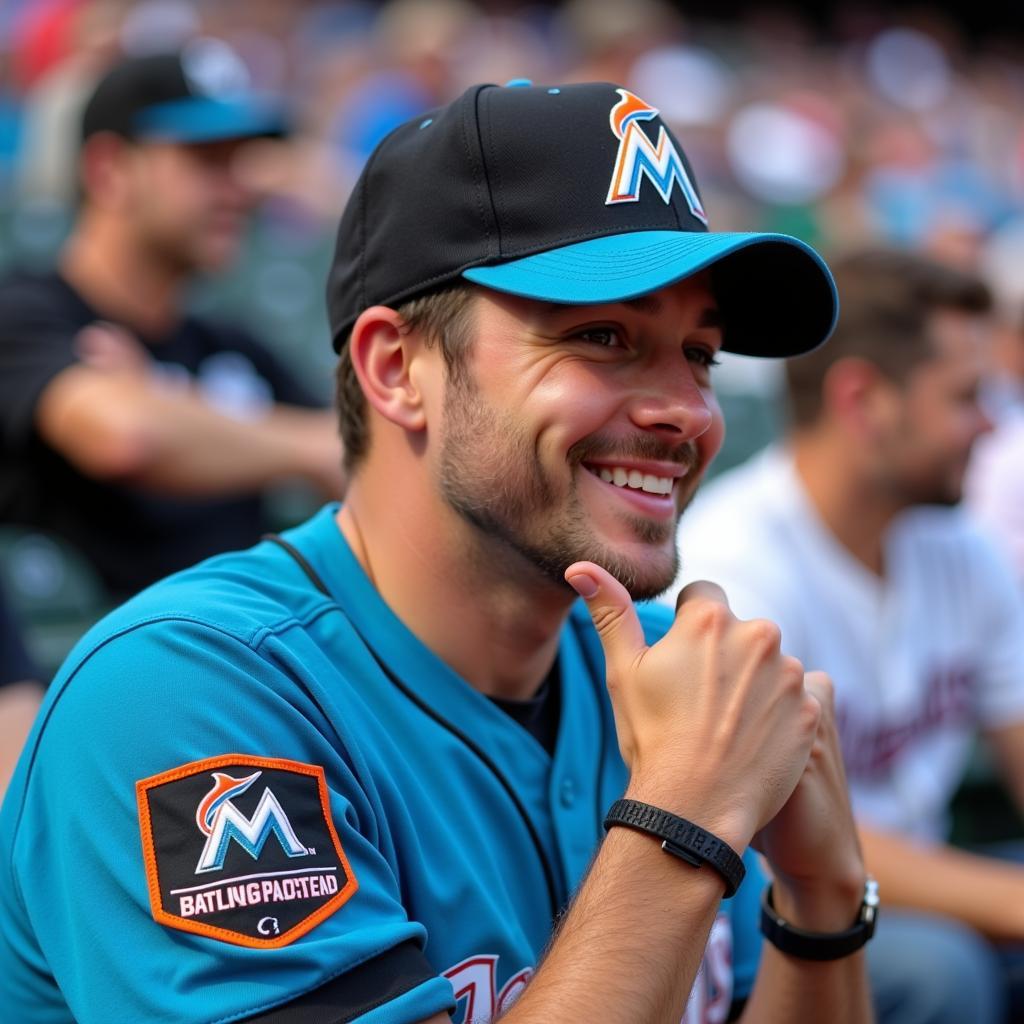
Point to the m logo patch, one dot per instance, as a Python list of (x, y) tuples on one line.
[(242, 849)]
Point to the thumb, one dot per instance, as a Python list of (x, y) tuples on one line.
[(612, 611)]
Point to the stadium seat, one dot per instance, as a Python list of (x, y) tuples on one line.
[(52, 590)]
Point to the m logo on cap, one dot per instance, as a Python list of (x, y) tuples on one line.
[(638, 157), (220, 821)]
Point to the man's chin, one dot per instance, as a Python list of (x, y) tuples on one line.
[(644, 574)]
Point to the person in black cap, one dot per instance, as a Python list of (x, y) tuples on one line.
[(387, 767), (138, 432)]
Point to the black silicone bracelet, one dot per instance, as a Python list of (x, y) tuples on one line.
[(681, 838)]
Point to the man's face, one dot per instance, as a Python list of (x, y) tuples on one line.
[(937, 416), (186, 202), (581, 432)]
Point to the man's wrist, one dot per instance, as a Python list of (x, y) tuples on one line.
[(819, 905), (681, 838), (726, 822), (805, 944)]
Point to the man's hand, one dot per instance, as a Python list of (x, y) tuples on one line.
[(811, 844), (111, 348), (714, 722)]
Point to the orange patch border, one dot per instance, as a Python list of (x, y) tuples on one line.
[(163, 916)]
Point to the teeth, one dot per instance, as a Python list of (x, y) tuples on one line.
[(638, 481)]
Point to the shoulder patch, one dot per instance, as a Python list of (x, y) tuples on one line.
[(242, 849)]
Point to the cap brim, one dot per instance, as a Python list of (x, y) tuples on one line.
[(198, 119), (775, 292)]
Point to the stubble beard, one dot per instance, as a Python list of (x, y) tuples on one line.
[(492, 477)]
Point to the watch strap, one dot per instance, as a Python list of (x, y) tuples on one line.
[(820, 946), (681, 838)]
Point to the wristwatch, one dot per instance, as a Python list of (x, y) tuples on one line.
[(821, 945)]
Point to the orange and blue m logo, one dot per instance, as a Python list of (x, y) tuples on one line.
[(221, 822), (638, 157)]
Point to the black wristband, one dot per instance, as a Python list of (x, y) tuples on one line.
[(681, 838), (817, 945)]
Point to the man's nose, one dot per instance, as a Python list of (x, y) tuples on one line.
[(670, 402)]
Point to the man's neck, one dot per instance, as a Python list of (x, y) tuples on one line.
[(495, 630), (844, 496), (120, 279)]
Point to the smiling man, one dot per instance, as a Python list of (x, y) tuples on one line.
[(387, 767)]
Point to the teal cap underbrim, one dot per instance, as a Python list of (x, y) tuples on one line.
[(198, 119), (776, 294)]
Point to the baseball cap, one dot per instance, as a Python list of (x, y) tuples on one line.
[(199, 94), (578, 194)]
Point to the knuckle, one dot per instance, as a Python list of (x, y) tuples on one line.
[(823, 687), (812, 711), (764, 634), (708, 615), (791, 671)]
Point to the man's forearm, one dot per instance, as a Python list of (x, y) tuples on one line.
[(119, 427), (983, 892), (631, 944), (199, 451)]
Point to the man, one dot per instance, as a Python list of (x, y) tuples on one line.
[(994, 485), (369, 761), (142, 434), (846, 535)]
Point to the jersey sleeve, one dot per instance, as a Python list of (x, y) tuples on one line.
[(999, 606), (36, 343), (195, 845)]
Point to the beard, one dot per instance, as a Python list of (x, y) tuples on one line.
[(491, 475)]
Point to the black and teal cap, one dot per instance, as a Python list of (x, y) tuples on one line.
[(199, 94), (577, 194)]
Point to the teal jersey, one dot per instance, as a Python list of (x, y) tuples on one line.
[(246, 798)]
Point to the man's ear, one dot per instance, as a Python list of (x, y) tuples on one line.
[(103, 167), (858, 395), (383, 352)]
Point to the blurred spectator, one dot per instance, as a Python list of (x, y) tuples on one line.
[(609, 36), (847, 538), (64, 46), (139, 433), (20, 694), (995, 478)]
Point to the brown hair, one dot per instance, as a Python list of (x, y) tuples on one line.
[(443, 318), (887, 298)]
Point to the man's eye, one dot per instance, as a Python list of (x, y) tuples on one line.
[(702, 356), (607, 337)]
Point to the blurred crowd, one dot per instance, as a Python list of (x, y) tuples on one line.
[(901, 138), (882, 128), (873, 129)]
